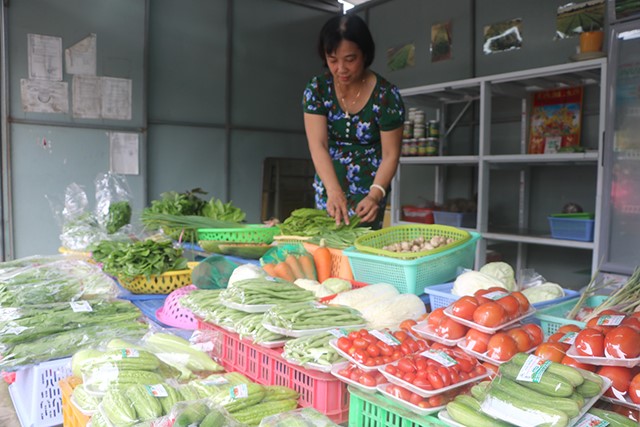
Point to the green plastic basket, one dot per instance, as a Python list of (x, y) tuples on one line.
[(578, 215), (552, 318), (374, 242), (411, 276), (373, 410), (251, 233)]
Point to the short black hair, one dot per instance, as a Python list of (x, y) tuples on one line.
[(346, 27)]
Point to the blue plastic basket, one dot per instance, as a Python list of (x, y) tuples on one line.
[(412, 276), (572, 228), (441, 296), (456, 219)]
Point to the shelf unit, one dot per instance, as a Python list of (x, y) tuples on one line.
[(491, 150)]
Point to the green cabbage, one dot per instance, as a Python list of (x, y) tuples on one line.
[(501, 271), (337, 285)]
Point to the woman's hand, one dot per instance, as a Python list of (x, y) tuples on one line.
[(337, 207), (368, 208)]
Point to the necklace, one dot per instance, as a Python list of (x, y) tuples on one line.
[(344, 103)]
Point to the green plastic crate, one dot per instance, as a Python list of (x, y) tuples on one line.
[(373, 410), (552, 318)]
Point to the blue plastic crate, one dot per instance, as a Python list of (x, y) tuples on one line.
[(572, 228), (441, 296), (455, 219), (411, 276)]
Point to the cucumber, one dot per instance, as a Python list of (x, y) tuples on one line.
[(569, 373), (214, 419), (513, 388), (588, 389), (465, 399), (550, 384), (470, 417), (192, 415), (479, 391), (535, 413), (614, 420)]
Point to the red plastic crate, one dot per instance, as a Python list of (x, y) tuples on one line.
[(322, 391)]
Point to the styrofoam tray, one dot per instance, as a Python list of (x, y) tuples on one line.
[(80, 409), (334, 344), (423, 329), (504, 412), (297, 333), (310, 365), (474, 325), (338, 367), (602, 361), (272, 344), (247, 308), (626, 402), (483, 356), (428, 393), (382, 388), (444, 416)]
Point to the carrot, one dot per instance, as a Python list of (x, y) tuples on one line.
[(296, 268), (270, 269), (308, 266), (283, 271), (322, 259)]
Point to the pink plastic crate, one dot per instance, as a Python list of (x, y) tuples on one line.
[(321, 391)]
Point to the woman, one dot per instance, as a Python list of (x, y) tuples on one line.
[(353, 119)]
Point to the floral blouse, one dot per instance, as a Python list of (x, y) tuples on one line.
[(354, 139)]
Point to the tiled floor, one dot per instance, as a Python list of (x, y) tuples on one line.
[(8, 416)]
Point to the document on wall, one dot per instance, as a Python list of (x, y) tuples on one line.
[(81, 57), (123, 151), (44, 57), (116, 98), (86, 97), (44, 96)]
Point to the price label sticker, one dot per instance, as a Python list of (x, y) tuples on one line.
[(610, 320), (439, 356), (495, 295), (385, 337), (129, 353), (80, 306), (590, 420), (568, 338), (238, 392), (532, 369), (157, 390), (215, 380), (338, 333)]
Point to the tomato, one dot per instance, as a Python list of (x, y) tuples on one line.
[(360, 343), (522, 338), (524, 302), (570, 361), (401, 393), (406, 365), (422, 344), (360, 355), (634, 389), (434, 318), (413, 346), (400, 335), (622, 342), (511, 306), (385, 349), (406, 325), (437, 400), (367, 379), (621, 379), (353, 335), (344, 344), (569, 328), (422, 383), (450, 329), (479, 296), (373, 350), (435, 379), (390, 369), (535, 331), (490, 314), (501, 347), (438, 346), (476, 341), (415, 399), (492, 368), (633, 322), (551, 351), (464, 307), (590, 342)]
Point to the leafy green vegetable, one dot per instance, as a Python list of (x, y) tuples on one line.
[(140, 258), (119, 216), (318, 224), (223, 211)]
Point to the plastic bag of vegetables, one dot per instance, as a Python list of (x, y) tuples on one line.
[(305, 417)]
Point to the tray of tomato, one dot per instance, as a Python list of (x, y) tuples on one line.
[(440, 328), (413, 401), (364, 380), (434, 371), (490, 310), (611, 339), (502, 346), (372, 349)]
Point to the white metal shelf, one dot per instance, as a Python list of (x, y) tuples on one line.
[(440, 160), (562, 158), (538, 240)]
